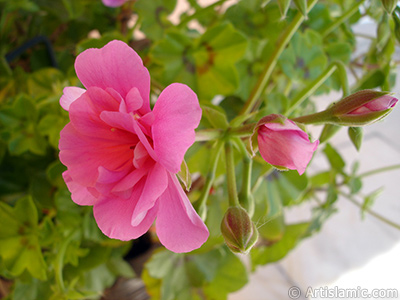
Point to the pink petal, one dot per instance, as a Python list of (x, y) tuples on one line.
[(140, 155), (79, 194), (113, 3), (288, 125), (116, 66), (176, 114), (85, 112), (109, 176), (291, 149), (70, 94), (156, 183), (127, 122), (382, 103), (131, 179), (83, 155), (178, 226), (113, 216), (133, 100)]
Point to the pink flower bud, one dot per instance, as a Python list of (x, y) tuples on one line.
[(378, 104), (283, 144), (362, 108), (238, 230)]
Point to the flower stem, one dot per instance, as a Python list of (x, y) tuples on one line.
[(380, 170), (341, 19), (315, 84), (243, 131), (215, 154), (208, 134), (230, 175), (310, 89), (372, 213), (246, 198), (266, 74), (321, 117), (59, 263)]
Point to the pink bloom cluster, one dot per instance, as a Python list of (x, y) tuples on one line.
[(122, 157), (283, 144)]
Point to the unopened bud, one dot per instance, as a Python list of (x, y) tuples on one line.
[(362, 108), (389, 5), (238, 230)]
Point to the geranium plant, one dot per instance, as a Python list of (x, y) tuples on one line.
[(190, 126)]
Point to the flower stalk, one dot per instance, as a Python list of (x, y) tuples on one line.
[(230, 175), (266, 74), (314, 85), (202, 202)]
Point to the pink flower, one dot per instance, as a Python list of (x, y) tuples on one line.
[(378, 104), (283, 144), (113, 3), (122, 157)]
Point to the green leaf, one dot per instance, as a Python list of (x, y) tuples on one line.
[(369, 200), (215, 115), (334, 158), (45, 82), (384, 32), (355, 185), (120, 267), (41, 191), (331, 196), (231, 275), (328, 131), (286, 187), (161, 263), (74, 252), (207, 64), (273, 228), (222, 46), (176, 285), (4, 67), (356, 136), (320, 215), (50, 126), (91, 231), (396, 18), (339, 51), (100, 42), (267, 254), (32, 289), (321, 179), (184, 176), (154, 16), (304, 59), (19, 246), (370, 80), (98, 279), (54, 173)]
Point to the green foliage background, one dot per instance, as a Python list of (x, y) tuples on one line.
[(51, 248)]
